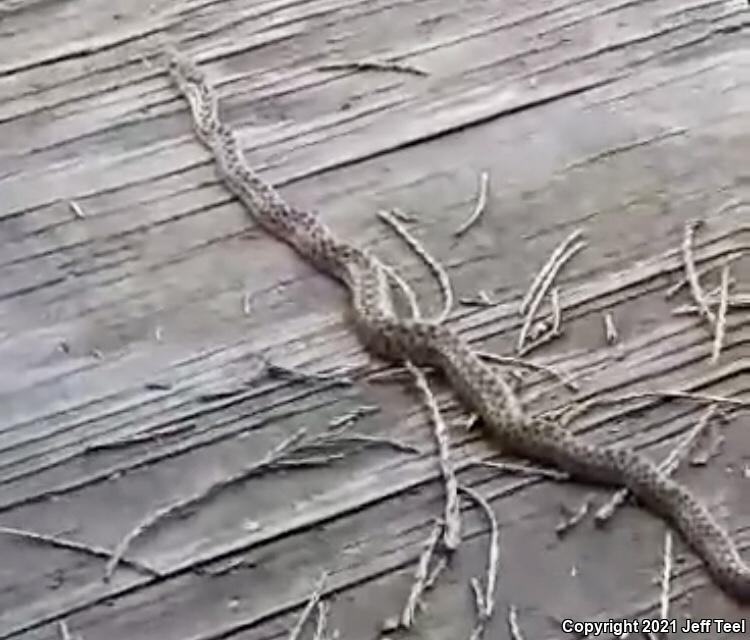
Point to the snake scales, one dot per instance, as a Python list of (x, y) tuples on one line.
[(480, 387)]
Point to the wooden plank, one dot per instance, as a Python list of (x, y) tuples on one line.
[(628, 118)]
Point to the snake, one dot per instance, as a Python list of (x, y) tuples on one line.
[(480, 387)]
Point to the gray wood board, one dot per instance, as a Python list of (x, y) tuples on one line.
[(159, 310)]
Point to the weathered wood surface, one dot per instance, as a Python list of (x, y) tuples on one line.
[(628, 118)]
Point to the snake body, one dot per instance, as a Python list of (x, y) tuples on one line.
[(480, 387)]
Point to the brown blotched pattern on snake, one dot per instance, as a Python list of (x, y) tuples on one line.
[(481, 388)]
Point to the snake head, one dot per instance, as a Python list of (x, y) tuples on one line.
[(180, 66)]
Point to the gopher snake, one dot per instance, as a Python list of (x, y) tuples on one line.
[(424, 342)]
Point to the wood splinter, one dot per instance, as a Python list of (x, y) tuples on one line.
[(77, 210), (610, 330)]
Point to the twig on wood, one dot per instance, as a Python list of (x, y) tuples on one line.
[(278, 371), (666, 575), (538, 329), (353, 416), (482, 299), (452, 526), (733, 302), (139, 438), (401, 215), (452, 534), (432, 579), (549, 336), (321, 624), (146, 524), (404, 287), (691, 274), (688, 395), (675, 288), (389, 374), (513, 626), (406, 290), (712, 297), (511, 467), (485, 598), (309, 461), (72, 545), (583, 407), (555, 331), (573, 519), (739, 301), (476, 588), (479, 206), (684, 448), (569, 413), (537, 339), (373, 65), (311, 604), (421, 576), (431, 263), (668, 466), (556, 312), (521, 362), (721, 315), (610, 330), (343, 437), (545, 270), (62, 628), (472, 420), (686, 310), (369, 440), (77, 210), (533, 306), (701, 458)]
